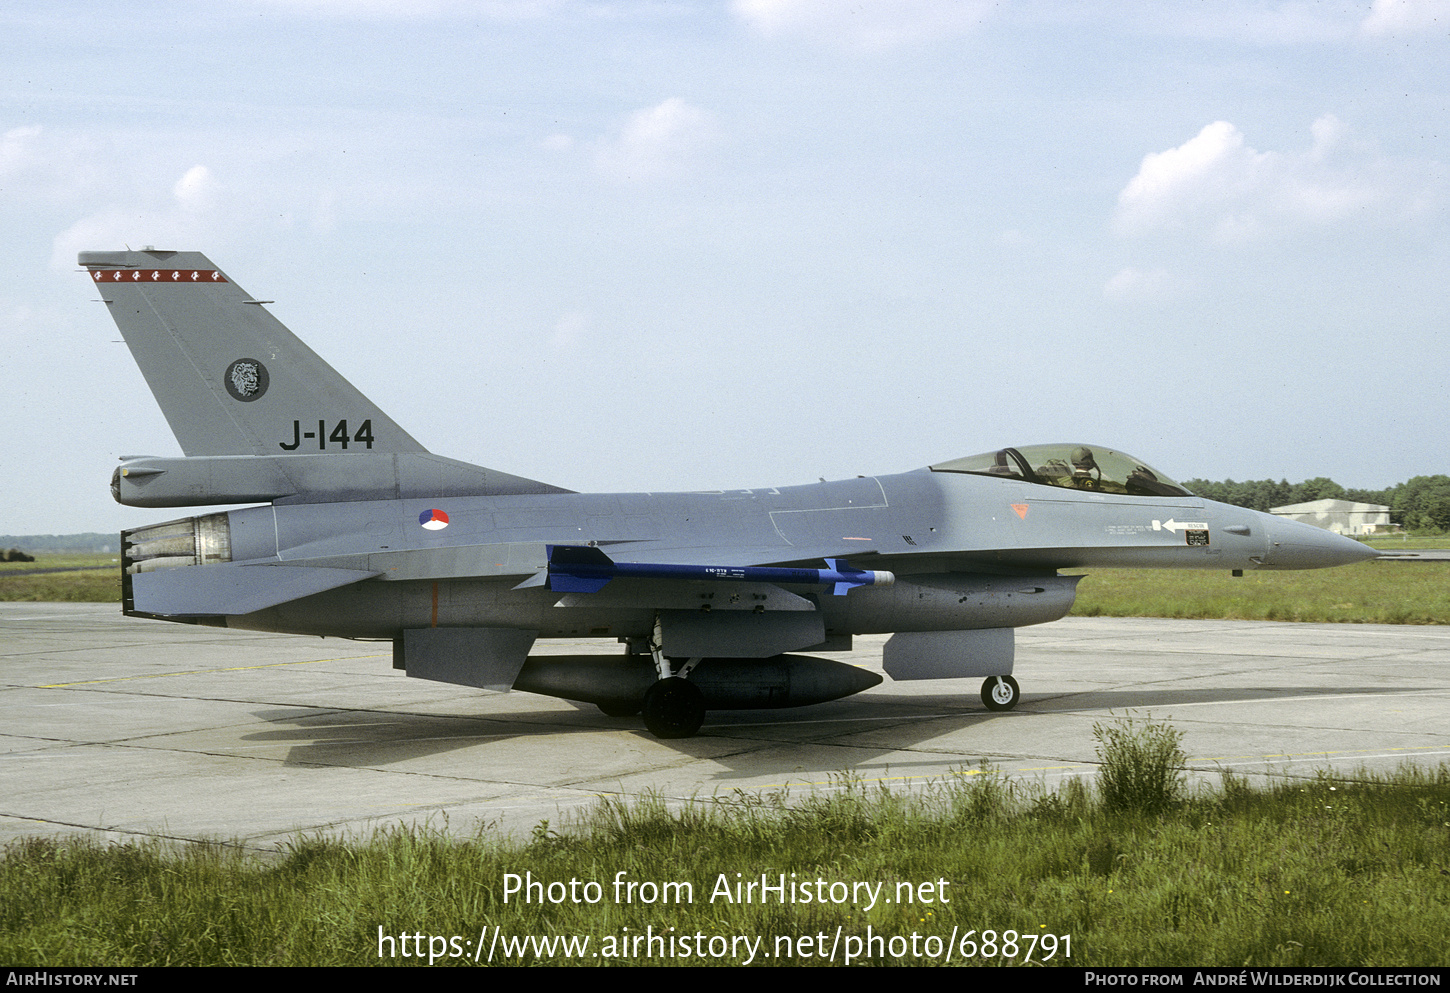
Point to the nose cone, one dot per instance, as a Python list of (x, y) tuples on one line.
[(1295, 545)]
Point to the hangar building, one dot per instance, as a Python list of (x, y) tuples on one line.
[(1339, 516)]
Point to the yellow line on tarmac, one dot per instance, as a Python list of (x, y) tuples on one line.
[(1295, 756)]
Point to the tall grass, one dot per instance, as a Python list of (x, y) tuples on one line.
[(1142, 765)]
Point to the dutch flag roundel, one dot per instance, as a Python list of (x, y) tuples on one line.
[(433, 520)]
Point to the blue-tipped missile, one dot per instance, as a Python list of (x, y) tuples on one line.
[(580, 569)]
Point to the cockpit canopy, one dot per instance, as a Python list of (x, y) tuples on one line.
[(1077, 467)]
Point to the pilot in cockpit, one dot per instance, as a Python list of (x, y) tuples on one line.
[(1083, 467)]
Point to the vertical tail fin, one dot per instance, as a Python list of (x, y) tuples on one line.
[(230, 378)]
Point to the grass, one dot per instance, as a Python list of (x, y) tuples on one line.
[(1362, 593), (1329, 871), (1141, 766), (96, 579), (1403, 541)]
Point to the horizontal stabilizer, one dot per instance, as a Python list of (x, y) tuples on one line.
[(216, 590), (201, 481)]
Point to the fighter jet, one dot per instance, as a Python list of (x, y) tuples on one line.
[(362, 533)]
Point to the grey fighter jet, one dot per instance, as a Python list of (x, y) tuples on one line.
[(362, 533)]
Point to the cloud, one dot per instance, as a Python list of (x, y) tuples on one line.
[(41, 165), (195, 190), (1133, 285), (656, 142), (1400, 17), (871, 25), (1216, 184), (1211, 168), (188, 218), (17, 149)]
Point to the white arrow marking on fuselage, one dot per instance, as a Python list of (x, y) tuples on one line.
[(1176, 526)]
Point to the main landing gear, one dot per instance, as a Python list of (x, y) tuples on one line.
[(674, 707), (1000, 693)]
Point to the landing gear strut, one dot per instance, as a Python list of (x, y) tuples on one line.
[(1000, 693), (674, 707)]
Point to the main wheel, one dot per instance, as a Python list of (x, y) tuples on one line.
[(674, 708), (1000, 693)]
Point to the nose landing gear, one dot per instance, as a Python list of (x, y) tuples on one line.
[(1000, 693)]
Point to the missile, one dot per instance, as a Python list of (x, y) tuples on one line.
[(581, 569)]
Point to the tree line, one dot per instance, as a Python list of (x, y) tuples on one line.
[(1420, 504), (91, 541)]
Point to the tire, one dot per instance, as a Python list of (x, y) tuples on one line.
[(674, 708), (1000, 693)]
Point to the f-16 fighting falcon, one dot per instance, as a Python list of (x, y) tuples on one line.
[(362, 533)]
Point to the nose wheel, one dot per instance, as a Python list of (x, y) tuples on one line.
[(1000, 693)]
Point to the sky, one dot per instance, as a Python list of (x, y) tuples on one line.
[(630, 245)]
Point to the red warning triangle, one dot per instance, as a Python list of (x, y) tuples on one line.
[(1021, 509)]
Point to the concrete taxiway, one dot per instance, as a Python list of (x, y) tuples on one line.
[(126, 728)]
